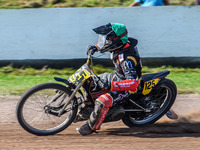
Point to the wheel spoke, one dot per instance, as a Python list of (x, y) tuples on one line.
[(36, 118), (155, 104), (35, 114)]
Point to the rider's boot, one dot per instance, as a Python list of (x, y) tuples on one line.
[(84, 130)]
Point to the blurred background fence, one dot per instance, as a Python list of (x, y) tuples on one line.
[(58, 37)]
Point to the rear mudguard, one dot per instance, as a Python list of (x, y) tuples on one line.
[(150, 81), (152, 84)]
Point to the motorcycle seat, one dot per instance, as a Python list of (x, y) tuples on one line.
[(156, 75)]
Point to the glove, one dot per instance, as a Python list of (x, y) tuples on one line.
[(91, 49), (104, 85)]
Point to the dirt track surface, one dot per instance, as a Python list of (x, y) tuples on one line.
[(183, 134)]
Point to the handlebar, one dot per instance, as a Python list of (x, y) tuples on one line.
[(89, 59), (96, 79)]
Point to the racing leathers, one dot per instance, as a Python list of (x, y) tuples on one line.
[(122, 83)]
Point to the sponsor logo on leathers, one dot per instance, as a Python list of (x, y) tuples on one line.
[(124, 84), (106, 98), (128, 65)]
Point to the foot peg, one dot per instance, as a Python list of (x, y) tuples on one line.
[(171, 114)]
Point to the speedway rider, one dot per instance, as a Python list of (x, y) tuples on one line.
[(113, 37)]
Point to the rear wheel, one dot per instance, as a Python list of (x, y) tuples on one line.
[(37, 110), (159, 103)]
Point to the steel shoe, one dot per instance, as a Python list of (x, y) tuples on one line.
[(84, 130)]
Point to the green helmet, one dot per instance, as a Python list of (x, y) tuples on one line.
[(112, 36)]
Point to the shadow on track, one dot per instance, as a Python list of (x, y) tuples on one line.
[(159, 130)]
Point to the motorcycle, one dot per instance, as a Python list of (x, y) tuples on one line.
[(49, 108)]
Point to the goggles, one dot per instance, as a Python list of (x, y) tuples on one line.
[(102, 41)]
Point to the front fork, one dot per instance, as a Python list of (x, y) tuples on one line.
[(71, 97)]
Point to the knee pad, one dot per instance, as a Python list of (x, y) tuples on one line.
[(106, 99), (101, 108)]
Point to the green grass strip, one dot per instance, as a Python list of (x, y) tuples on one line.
[(14, 81), (16, 4)]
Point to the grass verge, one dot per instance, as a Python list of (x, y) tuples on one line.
[(16, 4), (15, 81)]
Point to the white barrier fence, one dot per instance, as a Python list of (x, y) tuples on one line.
[(64, 33)]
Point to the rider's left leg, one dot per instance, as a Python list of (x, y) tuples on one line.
[(98, 115)]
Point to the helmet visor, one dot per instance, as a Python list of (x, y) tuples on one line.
[(101, 41)]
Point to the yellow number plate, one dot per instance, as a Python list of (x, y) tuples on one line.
[(80, 75), (149, 85)]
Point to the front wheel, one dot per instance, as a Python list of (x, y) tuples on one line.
[(160, 101), (37, 110)]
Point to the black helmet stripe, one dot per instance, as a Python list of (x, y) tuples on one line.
[(120, 36)]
